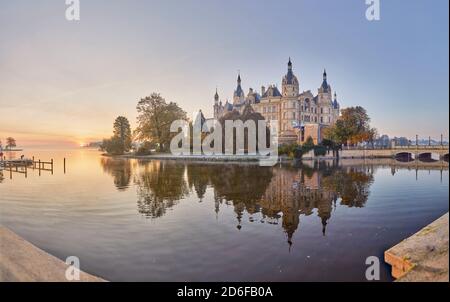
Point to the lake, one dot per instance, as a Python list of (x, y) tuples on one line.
[(135, 220)]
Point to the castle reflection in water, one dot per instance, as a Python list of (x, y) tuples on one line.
[(277, 194)]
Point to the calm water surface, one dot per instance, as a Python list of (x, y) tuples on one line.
[(130, 220)]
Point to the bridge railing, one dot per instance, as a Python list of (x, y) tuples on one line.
[(412, 147), (421, 147)]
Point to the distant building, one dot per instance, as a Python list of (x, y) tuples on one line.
[(383, 142), (401, 141), (299, 114)]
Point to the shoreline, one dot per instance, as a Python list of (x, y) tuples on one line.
[(21, 261), (12, 150), (245, 159), (422, 257)]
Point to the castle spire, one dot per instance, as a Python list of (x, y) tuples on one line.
[(238, 96), (216, 97), (289, 63), (324, 82), (335, 102)]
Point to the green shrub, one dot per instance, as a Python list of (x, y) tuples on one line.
[(288, 149), (113, 146), (320, 150), (145, 149)]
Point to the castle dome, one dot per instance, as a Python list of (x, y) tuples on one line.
[(239, 92), (290, 78)]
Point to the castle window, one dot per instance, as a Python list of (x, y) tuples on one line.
[(293, 115), (321, 110), (264, 110)]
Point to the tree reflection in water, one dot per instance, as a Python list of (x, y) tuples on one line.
[(160, 186), (1, 176), (120, 169), (275, 193), (240, 185)]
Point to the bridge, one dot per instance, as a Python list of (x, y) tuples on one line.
[(422, 153), (401, 153)]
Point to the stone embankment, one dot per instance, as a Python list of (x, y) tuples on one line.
[(21, 261), (423, 257)]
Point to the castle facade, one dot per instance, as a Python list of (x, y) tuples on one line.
[(299, 114)]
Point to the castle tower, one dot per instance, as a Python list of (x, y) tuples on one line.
[(217, 106), (325, 88), (336, 109), (324, 91), (238, 96), (335, 102), (290, 84), (216, 98)]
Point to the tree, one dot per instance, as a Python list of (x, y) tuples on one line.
[(145, 148), (113, 146), (154, 120), (331, 145), (120, 142), (308, 145), (122, 131), (10, 143), (372, 136), (352, 127)]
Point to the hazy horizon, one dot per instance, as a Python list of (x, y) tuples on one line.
[(64, 83)]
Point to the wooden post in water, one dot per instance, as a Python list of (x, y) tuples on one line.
[(52, 165), (39, 167), (26, 171), (10, 171), (64, 165)]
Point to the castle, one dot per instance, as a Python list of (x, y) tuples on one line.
[(299, 114)]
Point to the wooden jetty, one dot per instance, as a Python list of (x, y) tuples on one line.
[(22, 165), (16, 163)]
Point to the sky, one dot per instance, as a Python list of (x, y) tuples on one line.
[(62, 82)]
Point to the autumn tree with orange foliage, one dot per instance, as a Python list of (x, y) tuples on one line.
[(352, 127)]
